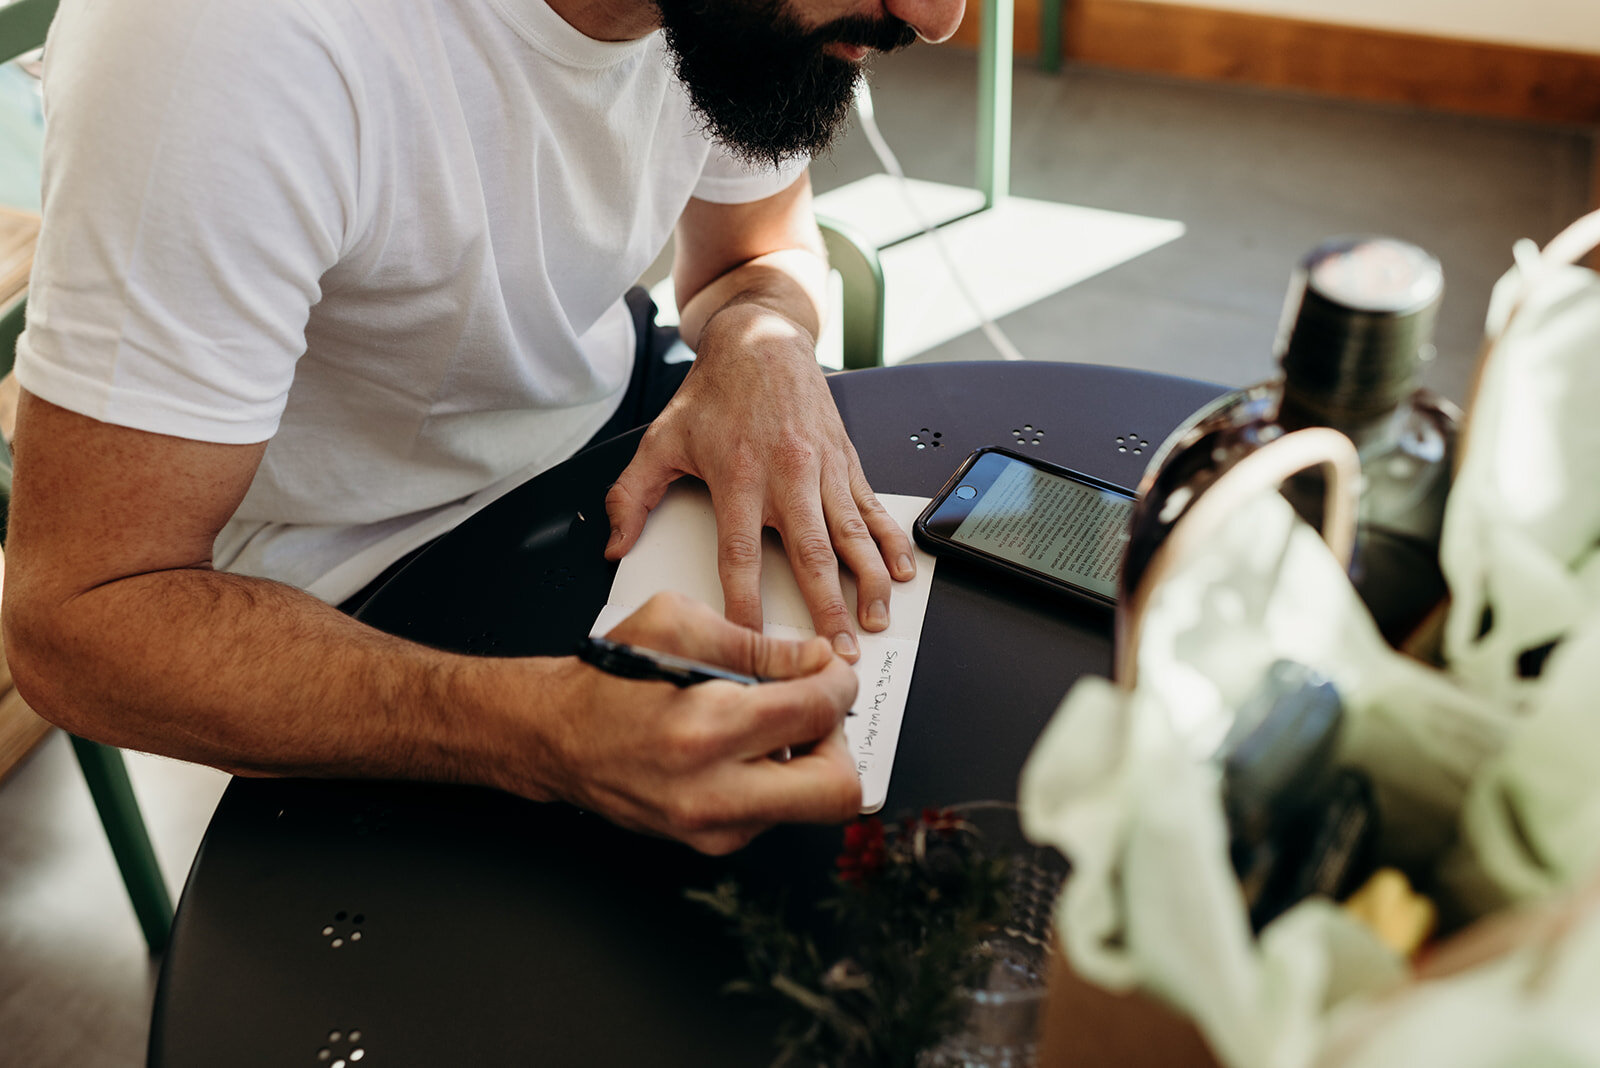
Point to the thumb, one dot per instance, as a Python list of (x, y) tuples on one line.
[(675, 623), (780, 658), (628, 502)]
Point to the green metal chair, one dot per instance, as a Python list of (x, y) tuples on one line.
[(862, 315), (855, 256), (23, 24)]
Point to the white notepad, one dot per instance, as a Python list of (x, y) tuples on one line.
[(678, 551)]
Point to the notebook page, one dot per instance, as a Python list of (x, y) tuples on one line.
[(678, 552)]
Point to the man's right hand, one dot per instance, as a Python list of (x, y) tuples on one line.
[(696, 763), (118, 629)]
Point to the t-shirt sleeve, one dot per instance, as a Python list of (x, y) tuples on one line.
[(727, 179), (200, 177)]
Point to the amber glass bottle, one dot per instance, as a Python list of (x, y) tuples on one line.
[(1357, 327)]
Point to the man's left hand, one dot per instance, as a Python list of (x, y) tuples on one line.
[(755, 421)]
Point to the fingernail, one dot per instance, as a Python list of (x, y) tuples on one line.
[(905, 566), (845, 645), (877, 615), (615, 539)]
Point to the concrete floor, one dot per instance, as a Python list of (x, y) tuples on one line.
[(1256, 178)]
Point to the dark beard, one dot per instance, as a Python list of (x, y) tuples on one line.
[(761, 82)]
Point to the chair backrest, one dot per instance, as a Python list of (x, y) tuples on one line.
[(854, 256), (23, 24)]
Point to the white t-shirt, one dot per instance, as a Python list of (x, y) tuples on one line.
[(390, 236)]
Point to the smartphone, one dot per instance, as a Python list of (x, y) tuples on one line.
[(1047, 525)]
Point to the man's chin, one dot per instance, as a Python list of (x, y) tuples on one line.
[(781, 133), (766, 150)]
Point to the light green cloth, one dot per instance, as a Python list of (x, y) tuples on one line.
[(1486, 774), (1117, 782), (21, 134)]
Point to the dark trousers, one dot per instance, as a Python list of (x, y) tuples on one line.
[(652, 385)]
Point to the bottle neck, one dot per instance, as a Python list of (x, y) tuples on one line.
[(1365, 427)]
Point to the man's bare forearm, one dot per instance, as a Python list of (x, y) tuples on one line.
[(118, 628), (791, 283), (259, 678)]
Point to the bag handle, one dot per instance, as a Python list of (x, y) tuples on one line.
[(1266, 469), (1575, 242), (1534, 265), (1564, 250)]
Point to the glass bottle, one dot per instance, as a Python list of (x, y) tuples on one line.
[(1357, 326)]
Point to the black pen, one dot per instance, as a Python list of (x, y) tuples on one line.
[(632, 662)]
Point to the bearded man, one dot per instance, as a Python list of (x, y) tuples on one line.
[(320, 278)]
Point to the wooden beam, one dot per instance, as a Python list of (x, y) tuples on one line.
[(20, 728), (1448, 74), (20, 731), (1443, 73)]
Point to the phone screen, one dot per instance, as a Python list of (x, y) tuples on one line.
[(1070, 530)]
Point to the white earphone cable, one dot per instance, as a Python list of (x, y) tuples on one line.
[(891, 164)]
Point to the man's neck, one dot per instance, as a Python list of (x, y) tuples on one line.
[(609, 20)]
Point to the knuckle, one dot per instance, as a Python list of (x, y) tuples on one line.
[(845, 685), (849, 684), (832, 617), (811, 713), (814, 553), (744, 468), (821, 715), (662, 609), (795, 460), (740, 548), (838, 796), (854, 528), (775, 658), (654, 434), (700, 814), (720, 843), (845, 801), (673, 602), (873, 511), (691, 744), (753, 647), (739, 467)]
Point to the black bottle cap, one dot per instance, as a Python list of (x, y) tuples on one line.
[(1359, 316)]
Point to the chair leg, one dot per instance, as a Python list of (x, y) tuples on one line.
[(1050, 36), (107, 777), (994, 102)]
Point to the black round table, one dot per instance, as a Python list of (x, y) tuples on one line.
[(428, 925)]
